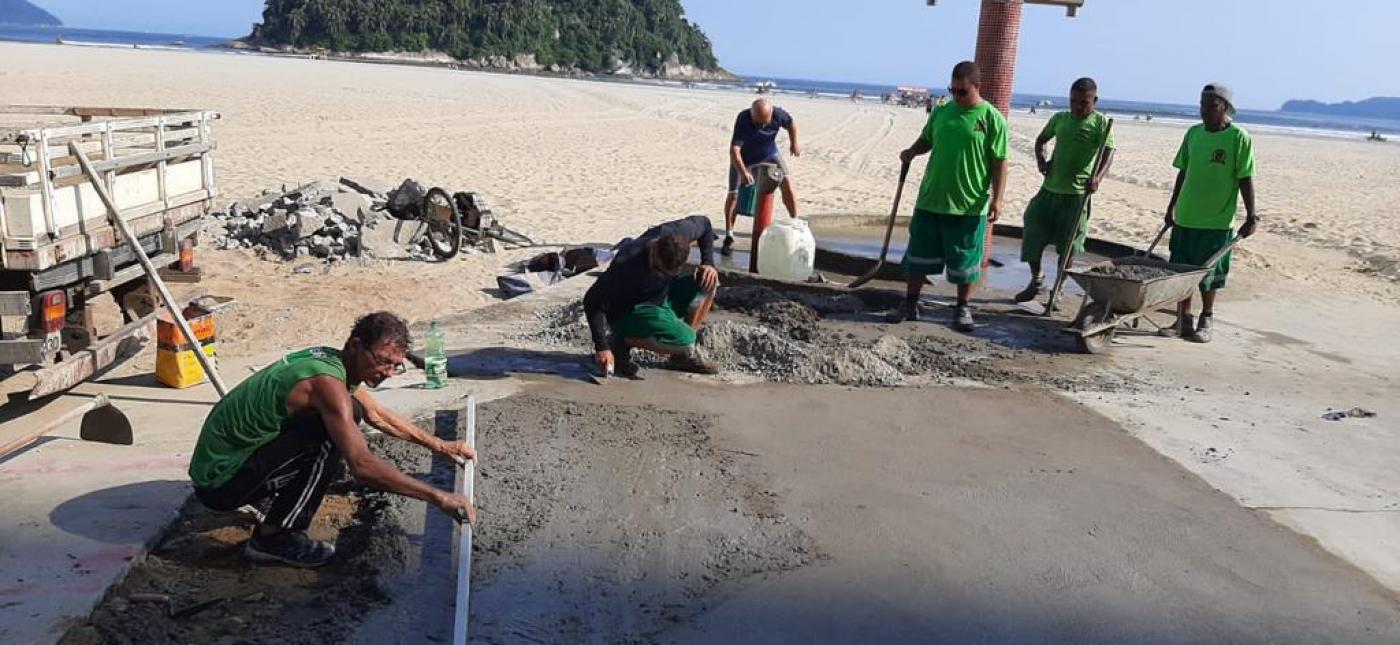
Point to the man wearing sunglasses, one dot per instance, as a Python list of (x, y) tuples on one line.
[(642, 302), (282, 434), (960, 196)]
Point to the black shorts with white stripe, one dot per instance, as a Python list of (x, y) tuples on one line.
[(293, 469)]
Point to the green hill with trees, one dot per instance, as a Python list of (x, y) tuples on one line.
[(649, 37)]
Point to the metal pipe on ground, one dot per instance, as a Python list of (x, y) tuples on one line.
[(466, 486), (151, 272)]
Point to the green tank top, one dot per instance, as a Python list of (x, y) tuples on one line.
[(252, 414)]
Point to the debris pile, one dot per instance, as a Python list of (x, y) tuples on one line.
[(320, 220)]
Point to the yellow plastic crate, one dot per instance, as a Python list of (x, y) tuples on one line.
[(176, 364)]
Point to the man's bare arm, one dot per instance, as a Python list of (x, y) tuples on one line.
[(1251, 219), (327, 396), (998, 189), (793, 146), (1042, 162), (1104, 162), (919, 147), (391, 423), (737, 159), (1176, 194)]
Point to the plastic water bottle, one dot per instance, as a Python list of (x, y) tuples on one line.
[(434, 359)]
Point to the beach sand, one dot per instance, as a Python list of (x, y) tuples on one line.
[(575, 161)]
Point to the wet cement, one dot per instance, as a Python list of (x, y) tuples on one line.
[(829, 335), (1138, 272), (676, 511), (608, 523)]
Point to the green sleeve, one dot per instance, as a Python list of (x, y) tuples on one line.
[(997, 140), (1181, 154), (1048, 132), (1245, 167), (927, 134)]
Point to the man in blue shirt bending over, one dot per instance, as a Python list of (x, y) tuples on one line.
[(755, 141)]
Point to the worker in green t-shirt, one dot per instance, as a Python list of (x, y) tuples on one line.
[(1215, 168), (282, 434), (960, 196), (1058, 209)]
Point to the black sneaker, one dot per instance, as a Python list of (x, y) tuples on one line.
[(291, 548), (962, 320), (1185, 326), (691, 362), (909, 311), (728, 248), (1202, 332), (1032, 290)]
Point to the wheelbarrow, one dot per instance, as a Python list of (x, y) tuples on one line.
[(1112, 300)]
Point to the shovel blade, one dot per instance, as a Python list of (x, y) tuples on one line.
[(107, 424)]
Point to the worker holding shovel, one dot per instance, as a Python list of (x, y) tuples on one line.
[(960, 197), (1059, 214), (1215, 168)]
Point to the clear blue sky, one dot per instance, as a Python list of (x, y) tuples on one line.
[(1150, 50)]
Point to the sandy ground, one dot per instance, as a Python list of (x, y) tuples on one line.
[(574, 161)]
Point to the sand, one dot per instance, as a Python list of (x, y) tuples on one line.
[(578, 161)]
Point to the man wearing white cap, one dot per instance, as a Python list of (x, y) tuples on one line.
[(1215, 168)]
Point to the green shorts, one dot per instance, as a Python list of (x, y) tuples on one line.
[(954, 242), (664, 324), (1196, 245), (1050, 219)]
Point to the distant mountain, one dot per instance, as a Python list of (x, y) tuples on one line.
[(21, 12), (1374, 108)]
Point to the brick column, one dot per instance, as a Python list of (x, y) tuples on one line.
[(998, 35)]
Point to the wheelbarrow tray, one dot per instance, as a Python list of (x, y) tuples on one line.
[(1128, 296)]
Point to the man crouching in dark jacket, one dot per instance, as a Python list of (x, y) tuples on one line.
[(641, 301)]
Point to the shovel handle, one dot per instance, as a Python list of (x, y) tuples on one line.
[(98, 401), (1210, 264), (1158, 240)]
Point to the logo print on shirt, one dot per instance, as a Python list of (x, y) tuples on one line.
[(981, 127), (1218, 156)]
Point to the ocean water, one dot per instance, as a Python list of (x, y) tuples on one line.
[(1321, 123), (1332, 124), (98, 37)]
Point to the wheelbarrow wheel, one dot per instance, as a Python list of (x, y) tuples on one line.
[(444, 222), (1100, 341)]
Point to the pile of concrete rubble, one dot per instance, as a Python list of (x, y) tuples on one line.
[(321, 220)]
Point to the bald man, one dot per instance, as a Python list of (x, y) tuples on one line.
[(755, 141)]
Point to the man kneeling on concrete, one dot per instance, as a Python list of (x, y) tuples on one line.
[(640, 302), (282, 433)]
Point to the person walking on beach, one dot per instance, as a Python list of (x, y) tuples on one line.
[(640, 302), (282, 434), (1215, 167), (1053, 213), (754, 141), (960, 196)]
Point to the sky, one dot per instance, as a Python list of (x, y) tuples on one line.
[(1145, 50)]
